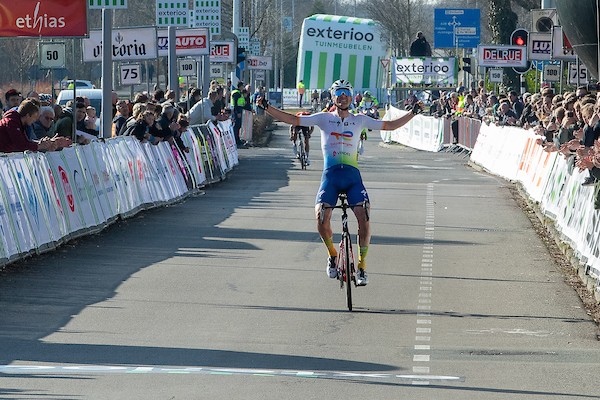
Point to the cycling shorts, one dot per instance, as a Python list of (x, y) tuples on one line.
[(342, 178)]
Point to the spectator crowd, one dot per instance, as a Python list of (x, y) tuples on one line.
[(568, 123), (35, 124)]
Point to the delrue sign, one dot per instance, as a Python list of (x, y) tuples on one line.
[(48, 18), (221, 52), (502, 56)]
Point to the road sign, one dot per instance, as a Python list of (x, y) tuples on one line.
[(501, 56), (131, 74), (540, 46), (52, 55), (216, 71), (385, 63), (496, 75), (552, 73), (172, 13), (187, 67), (456, 28), (112, 4), (259, 75), (583, 74), (244, 37), (207, 14)]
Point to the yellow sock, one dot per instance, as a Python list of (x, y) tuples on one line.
[(362, 254), (330, 247)]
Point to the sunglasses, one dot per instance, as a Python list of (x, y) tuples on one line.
[(344, 92)]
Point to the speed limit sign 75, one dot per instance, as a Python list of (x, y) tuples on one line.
[(52, 55), (131, 74)]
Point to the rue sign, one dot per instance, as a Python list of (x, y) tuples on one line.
[(52, 55)]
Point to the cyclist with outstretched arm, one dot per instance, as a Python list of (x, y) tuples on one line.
[(340, 138)]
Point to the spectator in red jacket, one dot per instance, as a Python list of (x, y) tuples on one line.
[(13, 130)]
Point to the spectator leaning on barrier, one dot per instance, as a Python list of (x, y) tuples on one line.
[(145, 129), (83, 125), (13, 136), (120, 118), (44, 123), (515, 103), (201, 112)]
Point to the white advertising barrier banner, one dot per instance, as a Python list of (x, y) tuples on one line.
[(65, 183), (423, 133), (90, 172), (127, 44), (226, 130), (499, 149), (172, 173), (290, 97), (425, 70), (81, 187), (200, 131), (30, 197), (195, 157), (46, 184), (534, 167), (126, 181), (103, 176), (8, 246), (149, 174), (19, 236), (219, 147)]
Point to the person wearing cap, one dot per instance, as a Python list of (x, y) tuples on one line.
[(13, 99)]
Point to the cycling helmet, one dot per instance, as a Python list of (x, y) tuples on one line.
[(367, 94), (341, 84)]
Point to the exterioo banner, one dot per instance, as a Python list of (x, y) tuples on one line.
[(424, 70)]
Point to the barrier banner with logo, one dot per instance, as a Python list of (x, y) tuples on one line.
[(195, 158), (8, 209), (19, 227), (48, 18), (150, 173), (246, 129), (188, 42), (534, 167), (211, 161), (226, 130), (421, 132), (92, 185), (31, 201), (127, 185), (46, 185), (103, 176)]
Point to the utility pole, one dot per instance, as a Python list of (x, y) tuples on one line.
[(235, 29)]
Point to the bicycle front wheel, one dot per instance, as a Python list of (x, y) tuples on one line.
[(346, 243)]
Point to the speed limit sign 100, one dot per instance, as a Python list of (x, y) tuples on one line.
[(52, 55)]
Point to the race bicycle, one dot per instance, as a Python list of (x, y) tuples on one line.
[(300, 145), (345, 259)]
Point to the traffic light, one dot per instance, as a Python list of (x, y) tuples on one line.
[(240, 55), (520, 37), (467, 65)]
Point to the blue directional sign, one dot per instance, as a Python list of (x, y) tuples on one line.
[(456, 27)]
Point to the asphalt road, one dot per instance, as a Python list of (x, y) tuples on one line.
[(225, 296)]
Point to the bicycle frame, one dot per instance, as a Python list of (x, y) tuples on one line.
[(345, 259), (300, 145)]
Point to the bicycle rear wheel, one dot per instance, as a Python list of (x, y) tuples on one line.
[(302, 153)]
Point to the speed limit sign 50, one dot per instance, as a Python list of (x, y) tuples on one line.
[(52, 55)]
